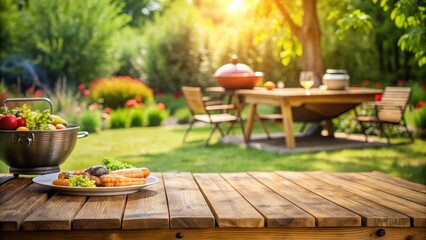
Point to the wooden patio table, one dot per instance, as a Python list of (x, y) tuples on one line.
[(256, 205), (296, 105)]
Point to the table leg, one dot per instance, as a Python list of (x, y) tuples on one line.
[(329, 127), (288, 125), (250, 121)]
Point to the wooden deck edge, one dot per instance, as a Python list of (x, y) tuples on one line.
[(227, 233)]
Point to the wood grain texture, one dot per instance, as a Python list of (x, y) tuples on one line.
[(101, 213), (372, 214), (147, 209), (278, 211), (229, 207), (16, 209), (341, 233), (416, 212), (12, 188), (403, 192), (326, 213), (396, 180), (55, 214), (187, 206)]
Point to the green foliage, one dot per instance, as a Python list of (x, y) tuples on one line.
[(137, 117), (176, 49), (183, 115), (417, 118), (129, 52), (10, 21), (409, 15), (155, 116), (115, 91), (90, 121), (119, 118), (72, 38)]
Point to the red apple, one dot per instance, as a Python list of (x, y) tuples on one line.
[(8, 122), (21, 122)]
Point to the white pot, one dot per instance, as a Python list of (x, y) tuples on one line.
[(335, 79)]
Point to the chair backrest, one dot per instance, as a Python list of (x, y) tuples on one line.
[(194, 99), (393, 104)]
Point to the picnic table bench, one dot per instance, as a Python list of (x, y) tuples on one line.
[(258, 205)]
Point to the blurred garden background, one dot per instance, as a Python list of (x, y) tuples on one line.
[(116, 67)]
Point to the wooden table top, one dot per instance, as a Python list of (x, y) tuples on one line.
[(258, 202)]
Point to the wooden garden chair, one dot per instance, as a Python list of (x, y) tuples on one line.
[(390, 110), (209, 113)]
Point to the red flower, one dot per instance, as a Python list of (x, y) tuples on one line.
[(161, 106), (108, 110), (378, 97), (401, 82), (420, 104), (424, 87), (38, 93), (93, 106), (86, 93), (81, 87), (378, 85), (366, 82), (177, 95), (355, 85), (138, 99), (131, 103), (31, 90)]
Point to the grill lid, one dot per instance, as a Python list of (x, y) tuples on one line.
[(234, 69)]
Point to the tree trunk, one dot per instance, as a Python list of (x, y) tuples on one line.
[(310, 38), (309, 35)]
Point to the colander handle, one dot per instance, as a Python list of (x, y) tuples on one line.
[(82, 134), (26, 100)]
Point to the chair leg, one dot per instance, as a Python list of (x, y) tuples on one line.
[(383, 132), (188, 129), (210, 135), (363, 131), (229, 129), (410, 134)]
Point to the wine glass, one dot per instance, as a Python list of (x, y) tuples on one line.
[(307, 81)]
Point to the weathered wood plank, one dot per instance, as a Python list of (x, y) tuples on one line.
[(278, 211), (326, 213), (12, 188), (16, 209), (396, 180), (187, 206), (147, 209), (372, 213), (101, 213), (415, 211), (229, 207), (391, 188), (55, 214), (341, 233)]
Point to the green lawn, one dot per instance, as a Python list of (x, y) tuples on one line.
[(161, 149)]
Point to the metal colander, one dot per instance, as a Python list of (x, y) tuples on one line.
[(37, 151)]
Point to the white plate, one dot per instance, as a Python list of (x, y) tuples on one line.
[(46, 180)]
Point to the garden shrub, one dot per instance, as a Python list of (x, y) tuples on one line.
[(119, 118), (137, 117), (90, 121), (116, 91), (155, 116), (183, 115), (416, 119)]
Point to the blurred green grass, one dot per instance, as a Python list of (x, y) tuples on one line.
[(161, 149)]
